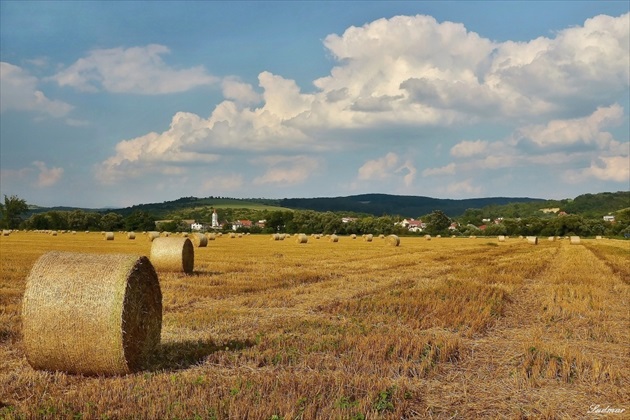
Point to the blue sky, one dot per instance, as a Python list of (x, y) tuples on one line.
[(122, 103)]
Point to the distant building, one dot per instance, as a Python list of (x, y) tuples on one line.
[(609, 218), (241, 224), (413, 225)]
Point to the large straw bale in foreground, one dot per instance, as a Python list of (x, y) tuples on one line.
[(173, 254), (91, 313)]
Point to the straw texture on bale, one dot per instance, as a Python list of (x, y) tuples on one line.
[(152, 235), (131, 235), (368, 238), (575, 240), (91, 313), (109, 236), (532, 240), (173, 254), (200, 240), (302, 239), (393, 240)]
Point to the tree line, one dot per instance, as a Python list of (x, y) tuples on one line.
[(310, 221)]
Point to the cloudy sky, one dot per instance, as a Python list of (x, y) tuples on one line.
[(122, 103)]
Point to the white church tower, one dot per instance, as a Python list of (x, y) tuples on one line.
[(215, 219)]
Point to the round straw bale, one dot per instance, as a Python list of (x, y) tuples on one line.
[(53, 233), (368, 238), (91, 313), (275, 236), (598, 237), (302, 239), (173, 254), (427, 237), (552, 238), (6, 232), (232, 235), (532, 240), (109, 236), (199, 240), (393, 240), (501, 238), (353, 236), (333, 238), (152, 235), (381, 236), (575, 240), (131, 235), (211, 236)]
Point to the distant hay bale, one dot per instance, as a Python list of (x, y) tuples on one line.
[(211, 236), (575, 240), (368, 238), (275, 237), (173, 254), (301, 239), (152, 235), (552, 238), (220, 234), (427, 237), (501, 238), (232, 235), (598, 237), (334, 238), (91, 314), (438, 236), (53, 233), (353, 236), (199, 240), (532, 240), (6, 232), (109, 236), (472, 237), (131, 235), (393, 240), (240, 235), (381, 236)]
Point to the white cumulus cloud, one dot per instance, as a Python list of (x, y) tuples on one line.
[(19, 91), (47, 176), (131, 70), (387, 167), (469, 148)]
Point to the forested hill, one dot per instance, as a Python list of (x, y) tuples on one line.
[(407, 206)]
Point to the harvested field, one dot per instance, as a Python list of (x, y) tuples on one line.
[(454, 328)]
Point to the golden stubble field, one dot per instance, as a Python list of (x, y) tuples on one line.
[(264, 329)]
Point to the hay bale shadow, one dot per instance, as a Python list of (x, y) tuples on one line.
[(184, 354)]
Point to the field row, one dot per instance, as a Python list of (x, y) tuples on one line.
[(442, 328)]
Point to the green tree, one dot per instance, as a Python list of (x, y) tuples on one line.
[(140, 221), (112, 221), (12, 211), (437, 223)]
